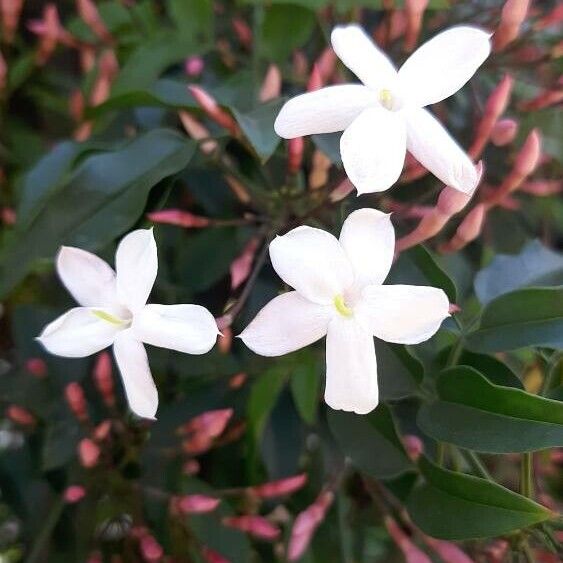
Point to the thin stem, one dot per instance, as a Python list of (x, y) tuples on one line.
[(527, 475), (36, 553), (477, 465)]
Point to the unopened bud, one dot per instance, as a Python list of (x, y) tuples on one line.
[(225, 340), (36, 367), (414, 11), (543, 188), (91, 17), (256, 526), (74, 494), (295, 149), (238, 380), (151, 550), (447, 551), (468, 230), (197, 504), (243, 32), (341, 191), (102, 431), (325, 64), (512, 16), (10, 10), (300, 65), (194, 66), (404, 542), (191, 467), (242, 265), (198, 132), (281, 487), (452, 201), (103, 379), (3, 73), (179, 218), (76, 401), (504, 132), (315, 79), (208, 104), (212, 556), (413, 445), (88, 452), (320, 167), (271, 87), (528, 156), (19, 415)]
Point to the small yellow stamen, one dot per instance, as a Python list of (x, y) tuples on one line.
[(341, 306), (107, 317), (386, 98)]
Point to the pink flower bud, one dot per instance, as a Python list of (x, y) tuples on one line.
[(198, 132), (452, 201), (197, 504), (528, 157), (271, 87), (10, 10), (102, 431), (103, 379), (191, 467), (74, 493), (237, 380), (472, 224), (341, 191), (300, 64), (295, 149), (306, 524), (19, 415), (3, 73), (76, 105), (280, 487), (8, 216), (320, 167), (208, 104), (242, 265), (496, 551), (194, 66), (543, 188), (256, 526), (543, 100), (213, 423), (315, 80), (411, 552), (512, 16), (413, 445), (76, 401), (225, 340), (88, 452), (453, 308), (243, 32), (91, 17), (36, 367), (325, 64), (447, 551), (151, 550), (179, 218), (212, 556), (504, 132), (552, 19), (414, 11)]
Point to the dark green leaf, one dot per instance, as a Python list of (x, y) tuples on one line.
[(493, 369), (399, 372), (475, 414), (526, 317), (371, 441), (305, 386), (194, 19), (455, 506)]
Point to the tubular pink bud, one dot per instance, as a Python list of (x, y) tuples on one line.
[(10, 10), (242, 265), (3, 73), (197, 504), (8, 216), (88, 452), (151, 550), (191, 467), (108, 69), (208, 104), (256, 526), (74, 493), (504, 132), (543, 188), (103, 379), (212, 556), (451, 201), (194, 66), (528, 157), (271, 87), (295, 149), (198, 132), (300, 65), (306, 524), (179, 218), (225, 339), (453, 308), (468, 230), (76, 105), (50, 35), (413, 445), (325, 64), (213, 423), (281, 487), (447, 551), (76, 401), (243, 32), (341, 191), (315, 80), (36, 367), (411, 552), (19, 415), (553, 18), (237, 380), (544, 100), (91, 17), (512, 16), (414, 11), (102, 431)]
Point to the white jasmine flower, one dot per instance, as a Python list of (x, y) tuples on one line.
[(113, 311), (339, 293), (385, 116)]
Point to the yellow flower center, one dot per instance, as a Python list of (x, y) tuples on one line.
[(386, 98), (108, 317), (341, 306)]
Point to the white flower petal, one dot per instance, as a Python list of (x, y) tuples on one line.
[(79, 333), (351, 367), (287, 323), (136, 263), (360, 54), (373, 149), (131, 358), (433, 147), (326, 110), (185, 328), (89, 279), (404, 314), (368, 238), (441, 66), (312, 262)]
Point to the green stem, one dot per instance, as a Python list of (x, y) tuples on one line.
[(477, 465), (42, 538), (527, 475)]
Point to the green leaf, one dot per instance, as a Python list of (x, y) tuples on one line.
[(399, 373), (475, 414), (371, 441), (258, 127), (493, 369), (526, 317), (102, 197), (61, 440), (305, 386), (550, 123), (456, 506), (535, 265), (194, 19)]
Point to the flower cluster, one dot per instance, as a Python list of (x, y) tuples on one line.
[(337, 283)]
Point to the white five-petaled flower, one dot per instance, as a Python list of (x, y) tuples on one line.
[(339, 293), (114, 311), (385, 116)]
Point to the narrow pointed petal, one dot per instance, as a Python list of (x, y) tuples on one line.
[(441, 66), (373, 149), (351, 367), (326, 110), (404, 314), (368, 238), (136, 264), (312, 262), (186, 328), (79, 333), (131, 358), (360, 54), (287, 323), (433, 147), (89, 279)]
